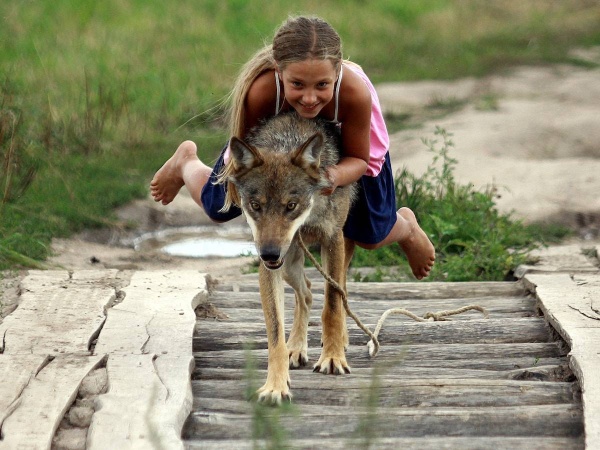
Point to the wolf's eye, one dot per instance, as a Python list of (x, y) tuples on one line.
[(254, 205), (291, 206)]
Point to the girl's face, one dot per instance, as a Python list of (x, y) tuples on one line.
[(308, 85)]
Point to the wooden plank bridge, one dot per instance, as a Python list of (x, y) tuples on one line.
[(496, 383), (102, 359)]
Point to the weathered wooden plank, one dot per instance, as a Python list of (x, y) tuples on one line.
[(421, 443), (148, 340), (555, 372), (399, 291), (128, 417), (571, 304), (398, 354), (498, 307), (438, 289), (491, 364), (503, 305), (44, 401), (435, 392), (211, 335), (58, 312), (238, 311), (16, 371), (155, 315), (213, 422)]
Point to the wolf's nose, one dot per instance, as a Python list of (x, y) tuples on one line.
[(269, 254)]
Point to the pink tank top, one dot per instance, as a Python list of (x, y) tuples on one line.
[(380, 140)]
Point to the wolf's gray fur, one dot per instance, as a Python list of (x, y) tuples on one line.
[(283, 135)]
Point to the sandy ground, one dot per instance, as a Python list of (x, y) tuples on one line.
[(533, 132)]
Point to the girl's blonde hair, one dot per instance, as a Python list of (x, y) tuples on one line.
[(296, 40)]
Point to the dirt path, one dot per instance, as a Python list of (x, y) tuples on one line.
[(532, 132)]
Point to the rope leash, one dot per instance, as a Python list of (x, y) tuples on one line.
[(342, 292), (373, 344)]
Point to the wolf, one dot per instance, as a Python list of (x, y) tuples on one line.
[(279, 173)]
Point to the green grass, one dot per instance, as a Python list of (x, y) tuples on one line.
[(94, 96)]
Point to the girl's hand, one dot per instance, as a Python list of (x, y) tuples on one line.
[(331, 174), (345, 172)]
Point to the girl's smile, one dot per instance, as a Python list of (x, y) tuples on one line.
[(309, 85)]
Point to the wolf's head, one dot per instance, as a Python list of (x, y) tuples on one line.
[(277, 191)]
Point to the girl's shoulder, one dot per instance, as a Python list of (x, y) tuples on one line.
[(261, 98), (263, 86)]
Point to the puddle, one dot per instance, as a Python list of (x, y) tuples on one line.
[(199, 242)]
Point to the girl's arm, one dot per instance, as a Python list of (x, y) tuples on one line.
[(346, 172), (355, 115), (261, 99)]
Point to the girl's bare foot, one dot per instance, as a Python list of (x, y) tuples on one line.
[(167, 182), (417, 246)]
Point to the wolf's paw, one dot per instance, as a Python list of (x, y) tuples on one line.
[(298, 358), (332, 366), (271, 395)]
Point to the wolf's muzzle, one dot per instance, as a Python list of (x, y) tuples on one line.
[(271, 257)]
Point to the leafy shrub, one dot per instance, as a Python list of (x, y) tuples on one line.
[(473, 240)]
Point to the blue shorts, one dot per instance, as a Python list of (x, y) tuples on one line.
[(371, 218), (213, 195), (373, 214)]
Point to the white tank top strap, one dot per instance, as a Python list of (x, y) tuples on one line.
[(337, 94)]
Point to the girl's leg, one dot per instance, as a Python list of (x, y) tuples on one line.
[(184, 168), (413, 241)]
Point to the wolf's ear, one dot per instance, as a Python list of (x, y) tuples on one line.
[(308, 155), (244, 156)]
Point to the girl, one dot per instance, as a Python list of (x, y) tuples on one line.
[(303, 70)]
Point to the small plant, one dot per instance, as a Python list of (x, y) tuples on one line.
[(398, 121), (487, 102), (473, 240), (590, 252), (18, 169), (376, 274), (445, 105)]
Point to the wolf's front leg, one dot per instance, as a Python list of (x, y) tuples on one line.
[(335, 333), (277, 386), (297, 343)]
